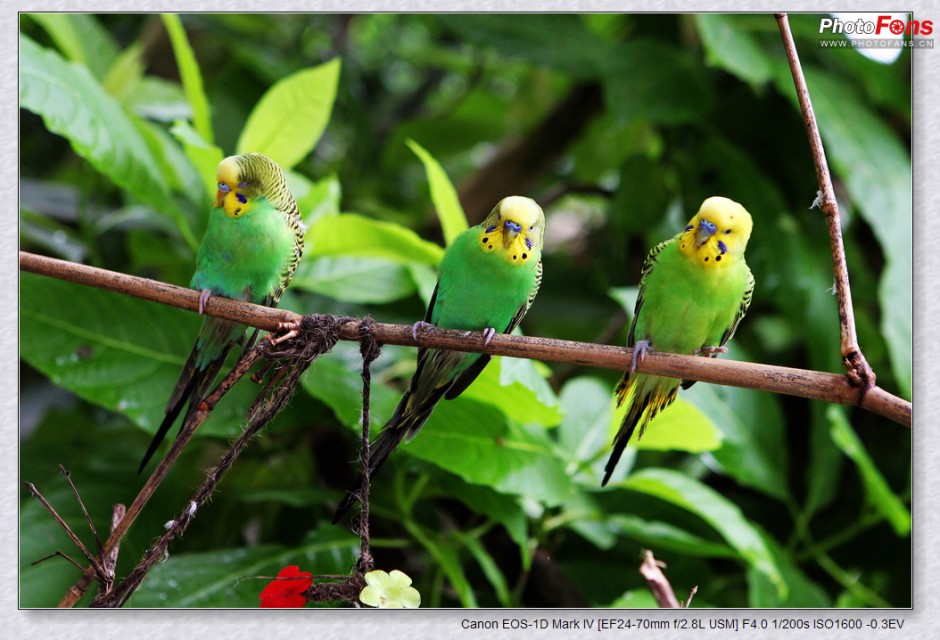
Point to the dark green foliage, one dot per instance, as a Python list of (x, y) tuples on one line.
[(620, 125)]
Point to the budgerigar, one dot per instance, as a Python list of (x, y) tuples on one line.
[(489, 277), (694, 290), (250, 251)]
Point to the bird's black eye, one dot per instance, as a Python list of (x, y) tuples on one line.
[(727, 231)]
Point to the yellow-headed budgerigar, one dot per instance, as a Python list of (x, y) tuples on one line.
[(250, 251), (694, 290), (488, 279)]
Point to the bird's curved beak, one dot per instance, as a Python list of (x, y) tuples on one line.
[(705, 231), (511, 229)]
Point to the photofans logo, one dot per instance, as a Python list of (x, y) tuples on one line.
[(880, 36)]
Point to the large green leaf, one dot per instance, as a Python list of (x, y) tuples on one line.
[(679, 427), (876, 487), (190, 75), (583, 435), (726, 517), (74, 105), (81, 38), (204, 156), (733, 48), (236, 577), (115, 351), (354, 235), (753, 446), (517, 400), (801, 593), (443, 195), (290, 118), (353, 279), (504, 509), (474, 441)]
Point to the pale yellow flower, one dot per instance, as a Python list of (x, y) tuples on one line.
[(389, 591)]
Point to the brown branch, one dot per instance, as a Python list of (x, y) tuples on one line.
[(314, 337), (163, 468), (803, 383), (651, 570), (857, 368)]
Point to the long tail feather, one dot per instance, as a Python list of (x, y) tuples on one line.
[(651, 394), (193, 386)]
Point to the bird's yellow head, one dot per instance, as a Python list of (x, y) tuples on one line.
[(243, 178), (717, 235), (514, 228)]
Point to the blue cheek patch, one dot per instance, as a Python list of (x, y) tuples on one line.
[(689, 228), (241, 198), (490, 229), (722, 247), (528, 242)]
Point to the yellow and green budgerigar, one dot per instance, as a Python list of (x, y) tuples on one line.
[(252, 246), (489, 277), (694, 290)]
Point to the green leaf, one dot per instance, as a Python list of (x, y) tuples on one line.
[(517, 398), (474, 441), (755, 457), (732, 48), (125, 74), (334, 379), (726, 517), (290, 118), (81, 38), (668, 537), (230, 578), (445, 555), (73, 104), (353, 235), (653, 81), (204, 156), (358, 280), (487, 565), (496, 506), (443, 195), (315, 198), (803, 593), (876, 487), (115, 351), (190, 75), (178, 171), (584, 434), (679, 427)]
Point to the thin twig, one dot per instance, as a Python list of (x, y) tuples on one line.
[(317, 337), (815, 385), (857, 368), (652, 572), (163, 468), (81, 505), (96, 567)]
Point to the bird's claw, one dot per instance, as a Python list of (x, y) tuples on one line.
[(488, 334), (711, 351), (420, 324), (640, 350), (204, 296), (287, 331)]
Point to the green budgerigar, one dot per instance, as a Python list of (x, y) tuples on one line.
[(250, 251), (489, 277), (694, 290)]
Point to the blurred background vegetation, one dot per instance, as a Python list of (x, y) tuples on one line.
[(619, 125)]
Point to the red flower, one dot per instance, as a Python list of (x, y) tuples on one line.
[(288, 589)]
